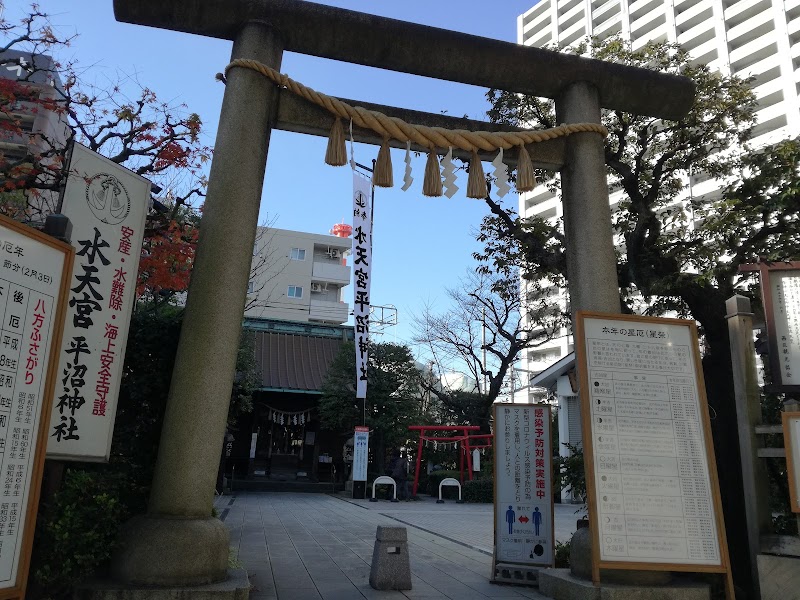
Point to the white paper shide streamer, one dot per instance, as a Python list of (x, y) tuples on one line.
[(449, 174), (362, 268), (407, 178), (500, 175)]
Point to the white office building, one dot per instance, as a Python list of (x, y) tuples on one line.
[(299, 276), (748, 38)]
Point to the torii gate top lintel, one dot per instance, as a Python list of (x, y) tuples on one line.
[(370, 40)]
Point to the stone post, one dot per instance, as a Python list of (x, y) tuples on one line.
[(591, 261), (178, 543), (748, 414)]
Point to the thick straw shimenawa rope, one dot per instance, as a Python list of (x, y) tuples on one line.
[(429, 137), (395, 128)]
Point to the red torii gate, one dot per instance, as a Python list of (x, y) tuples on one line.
[(463, 440)]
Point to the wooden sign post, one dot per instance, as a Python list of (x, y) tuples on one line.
[(651, 479), (791, 441), (34, 278), (780, 293)]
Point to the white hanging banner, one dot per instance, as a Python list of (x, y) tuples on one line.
[(362, 268), (107, 205)]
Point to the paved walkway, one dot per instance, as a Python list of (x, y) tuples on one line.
[(314, 546)]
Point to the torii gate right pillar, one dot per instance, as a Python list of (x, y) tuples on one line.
[(591, 261)]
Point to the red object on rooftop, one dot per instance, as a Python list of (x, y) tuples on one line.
[(342, 230)]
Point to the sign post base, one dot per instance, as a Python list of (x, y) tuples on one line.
[(359, 490), (518, 574)]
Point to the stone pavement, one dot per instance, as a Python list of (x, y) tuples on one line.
[(314, 546)]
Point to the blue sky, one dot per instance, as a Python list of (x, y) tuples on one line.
[(421, 245)]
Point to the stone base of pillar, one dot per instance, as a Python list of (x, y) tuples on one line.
[(235, 587), (562, 585), (161, 550)]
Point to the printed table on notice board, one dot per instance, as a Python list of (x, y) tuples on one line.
[(30, 283), (655, 500)]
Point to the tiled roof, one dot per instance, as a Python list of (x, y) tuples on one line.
[(294, 362)]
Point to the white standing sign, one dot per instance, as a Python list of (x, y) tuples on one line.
[(360, 453), (651, 488), (32, 274), (107, 205), (523, 504), (362, 272), (785, 291), (791, 439)]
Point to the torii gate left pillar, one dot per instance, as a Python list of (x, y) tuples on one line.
[(178, 543)]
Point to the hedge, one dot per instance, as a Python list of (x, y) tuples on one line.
[(479, 490)]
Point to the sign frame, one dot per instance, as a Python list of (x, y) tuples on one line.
[(17, 591), (792, 468), (588, 448), (87, 170), (548, 454), (765, 269), (360, 431)]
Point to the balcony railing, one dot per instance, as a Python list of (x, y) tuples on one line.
[(329, 272), (329, 312)]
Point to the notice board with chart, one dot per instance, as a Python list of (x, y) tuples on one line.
[(651, 476)]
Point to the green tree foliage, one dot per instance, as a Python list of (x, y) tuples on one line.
[(78, 533), (680, 256), (77, 527), (676, 255), (394, 397)]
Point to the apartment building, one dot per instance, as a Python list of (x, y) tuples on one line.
[(31, 130), (299, 276), (748, 38)]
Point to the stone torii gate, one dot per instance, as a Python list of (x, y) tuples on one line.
[(178, 543)]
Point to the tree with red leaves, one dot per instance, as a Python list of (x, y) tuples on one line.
[(44, 103)]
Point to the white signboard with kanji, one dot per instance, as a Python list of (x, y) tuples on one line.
[(33, 268), (107, 205), (360, 453), (524, 527), (785, 293)]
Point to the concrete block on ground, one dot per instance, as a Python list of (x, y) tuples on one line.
[(236, 587), (562, 585), (779, 577), (391, 567), (677, 591)]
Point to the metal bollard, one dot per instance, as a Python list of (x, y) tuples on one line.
[(391, 569), (449, 481)]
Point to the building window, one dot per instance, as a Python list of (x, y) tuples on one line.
[(295, 291), (298, 254), (250, 287)]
